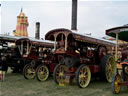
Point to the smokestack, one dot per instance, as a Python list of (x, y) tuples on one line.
[(74, 15), (37, 34)]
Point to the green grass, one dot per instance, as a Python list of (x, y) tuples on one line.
[(16, 85)]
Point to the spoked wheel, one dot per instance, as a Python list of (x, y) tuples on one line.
[(42, 73), (83, 76), (29, 72), (58, 74), (108, 65), (115, 84)]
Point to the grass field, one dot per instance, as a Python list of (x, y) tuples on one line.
[(16, 85)]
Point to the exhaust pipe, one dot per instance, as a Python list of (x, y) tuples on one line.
[(37, 34), (74, 15)]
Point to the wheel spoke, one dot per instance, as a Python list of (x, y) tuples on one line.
[(116, 84), (60, 73), (42, 73), (29, 72), (84, 76), (110, 69)]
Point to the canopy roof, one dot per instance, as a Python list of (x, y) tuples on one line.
[(122, 31), (80, 37), (34, 41), (9, 38)]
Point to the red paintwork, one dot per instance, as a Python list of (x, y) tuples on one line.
[(71, 74), (72, 70), (95, 68), (52, 66), (124, 53), (68, 52), (72, 53), (123, 63), (33, 57), (125, 83)]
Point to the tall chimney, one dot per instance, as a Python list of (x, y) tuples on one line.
[(74, 15), (37, 34)]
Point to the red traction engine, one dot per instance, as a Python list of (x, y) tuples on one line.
[(81, 56), (39, 53), (12, 52)]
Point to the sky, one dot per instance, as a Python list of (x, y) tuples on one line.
[(94, 16)]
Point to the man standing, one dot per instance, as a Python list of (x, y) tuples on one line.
[(3, 68)]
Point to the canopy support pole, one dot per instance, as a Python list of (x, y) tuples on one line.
[(27, 48), (116, 53), (55, 43), (22, 48), (66, 43)]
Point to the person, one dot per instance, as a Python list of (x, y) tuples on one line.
[(3, 68)]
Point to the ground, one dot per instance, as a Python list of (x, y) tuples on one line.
[(16, 85)]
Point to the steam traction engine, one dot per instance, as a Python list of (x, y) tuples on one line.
[(81, 56), (121, 77), (39, 53), (10, 50)]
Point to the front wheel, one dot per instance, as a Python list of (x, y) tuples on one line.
[(83, 76), (58, 74), (42, 73), (29, 71), (115, 84)]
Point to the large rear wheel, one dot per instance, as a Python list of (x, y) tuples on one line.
[(42, 73), (29, 71), (115, 84), (83, 76), (108, 66)]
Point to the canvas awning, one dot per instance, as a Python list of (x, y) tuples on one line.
[(122, 32)]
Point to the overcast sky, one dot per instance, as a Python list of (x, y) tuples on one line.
[(93, 16)]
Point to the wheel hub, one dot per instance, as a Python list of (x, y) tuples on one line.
[(116, 83), (41, 72), (29, 71), (82, 76), (61, 74)]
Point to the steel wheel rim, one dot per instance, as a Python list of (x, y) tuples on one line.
[(60, 74), (43, 73), (110, 69), (116, 84), (84, 76), (29, 72)]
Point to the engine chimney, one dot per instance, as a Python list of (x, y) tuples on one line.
[(37, 34), (74, 15)]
